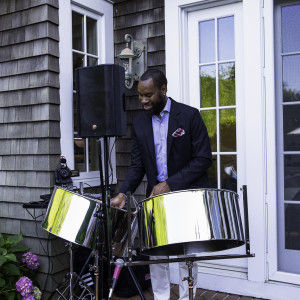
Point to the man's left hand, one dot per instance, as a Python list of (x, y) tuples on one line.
[(160, 188)]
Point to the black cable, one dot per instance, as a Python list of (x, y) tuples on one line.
[(50, 263), (46, 251), (110, 162), (87, 184)]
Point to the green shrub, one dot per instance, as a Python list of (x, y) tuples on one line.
[(11, 266)]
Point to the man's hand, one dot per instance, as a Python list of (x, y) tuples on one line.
[(118, 201), (160, 188)]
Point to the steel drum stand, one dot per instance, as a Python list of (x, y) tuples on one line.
[(72, 275), (190, 279)]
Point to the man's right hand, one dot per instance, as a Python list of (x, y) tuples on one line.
[(118, 201)]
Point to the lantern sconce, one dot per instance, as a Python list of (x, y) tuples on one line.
[(132, 59)]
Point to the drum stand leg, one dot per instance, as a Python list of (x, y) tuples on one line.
[(190, 279), (95, 268), (71, 272)]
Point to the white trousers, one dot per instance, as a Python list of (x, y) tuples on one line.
[(160, 280)]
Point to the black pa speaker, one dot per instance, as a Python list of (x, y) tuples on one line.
[(100, 99)]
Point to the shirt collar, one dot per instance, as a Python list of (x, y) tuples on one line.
[(167, 106)]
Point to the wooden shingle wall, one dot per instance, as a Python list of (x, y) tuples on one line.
[(144, 20), (29, 120)]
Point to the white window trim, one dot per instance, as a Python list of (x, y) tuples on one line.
[(105, 9)]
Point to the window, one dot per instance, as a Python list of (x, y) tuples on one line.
[(86, 39), (85, 52)]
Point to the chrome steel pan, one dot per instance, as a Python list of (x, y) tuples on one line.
[(190, 222), (72, 217)]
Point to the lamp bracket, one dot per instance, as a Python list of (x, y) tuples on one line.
[(137, 64)]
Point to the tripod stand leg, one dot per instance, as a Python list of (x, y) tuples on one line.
[(136, 283)]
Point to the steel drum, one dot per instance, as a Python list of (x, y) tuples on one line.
[(190, 222), (71, 216)]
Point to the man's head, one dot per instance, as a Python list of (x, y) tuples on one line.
[(152, 89)]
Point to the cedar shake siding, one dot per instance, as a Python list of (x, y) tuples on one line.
[(144, 20), (30, 124)]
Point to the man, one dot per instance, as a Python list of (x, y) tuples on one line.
[(170, 145)]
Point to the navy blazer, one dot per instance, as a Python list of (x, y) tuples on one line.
[(188, 156)]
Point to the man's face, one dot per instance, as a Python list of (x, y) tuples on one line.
[(152, 98)]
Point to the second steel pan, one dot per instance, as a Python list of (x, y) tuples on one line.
[(190, 222), (72, 216)]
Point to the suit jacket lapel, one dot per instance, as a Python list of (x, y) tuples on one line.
[(173, 125), (149, 138)]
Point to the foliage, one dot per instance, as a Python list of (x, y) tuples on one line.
[(12, 268)]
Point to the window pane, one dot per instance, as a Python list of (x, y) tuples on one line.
[(77, 31), (228, 130), (79, 152), (226, 38), (78, 61), (291, 127), (292, 177), (208, 86), (227, 84), (210, 120), (228, 172), (290, 28), (91, 36), (213, 173), (93, 155), (207, 41), (292, 226), (291, 78), (92, 61), (75, 113)]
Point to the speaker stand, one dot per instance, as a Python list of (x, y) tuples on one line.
[(105, 220)]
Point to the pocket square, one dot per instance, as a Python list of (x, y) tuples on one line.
[(178, 132)]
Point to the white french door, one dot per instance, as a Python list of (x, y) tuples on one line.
[(287, 54), (215, 88)]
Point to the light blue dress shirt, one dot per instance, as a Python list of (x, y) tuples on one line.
[(160, 131)]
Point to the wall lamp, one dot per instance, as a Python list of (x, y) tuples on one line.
[(133, 59)]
